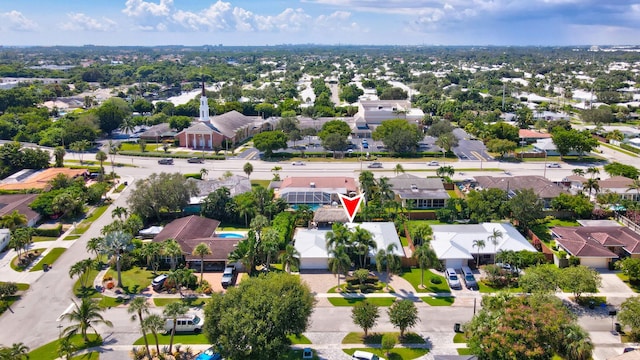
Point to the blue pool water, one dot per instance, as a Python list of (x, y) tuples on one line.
[(231, 235)]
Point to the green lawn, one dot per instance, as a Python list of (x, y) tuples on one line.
[(86, 223), (263, 183), (9, 300), (453, 194), (89, 356), (194, 302), (90, 291), (296, 355), (616, 148), (396, 353), (413, 276), (184, 339), (459, 338), (560, 222), (380, 301), (299, 340), (119, 188), (21, 286), (635, 286), (50, 351), (486, 289), (43, 238), (375, 338), (439, 300), (14, 261), (72, 237), (134, 280), (50, 258), (464, 351)]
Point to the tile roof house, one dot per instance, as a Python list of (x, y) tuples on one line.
[(530, 136), (313, 191), (545, 189), (453, 244), (38, 179), (236, 185), (192, 230), (427, 193), (596, 246), (619, 185), (20, 203), (371, 114), (575, 183)]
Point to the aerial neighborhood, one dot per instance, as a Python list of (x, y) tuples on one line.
[(378, 202)]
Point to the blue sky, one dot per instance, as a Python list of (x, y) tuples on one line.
[(270, 22)]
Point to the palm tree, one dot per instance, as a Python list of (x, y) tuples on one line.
[(363, 241), (139, 306), (248, 169), (290, 258), (119, 212), (151, 251), (59, 152), (635, 185), (367, 183), (592, 185), (173, 311), (13, 220), (85, 315), (154, 323), (101, 156), (495, 235), (338, 236), (201, 250), (576, 343), (426, 257), (114, 244), (593, 171), (82, 269), (113, 147), (443, 171), (339, 262), (66, 348), (578, 172), (94, 245), (127, 126), (203, 173), (479, 244), (172, 249), (258, 223), (398, 169), (269, 244), (387, 259), (385, 191), (17, 351), (245, 252)]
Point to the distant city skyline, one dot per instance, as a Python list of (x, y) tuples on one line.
[(348, 22)]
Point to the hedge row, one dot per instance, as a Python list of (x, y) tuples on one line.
[(156, 154), (628, 147), (55, 232)]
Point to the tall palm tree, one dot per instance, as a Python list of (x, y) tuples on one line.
[(101, 156), (114, 244), (635, 185), (155, 324), (151, 251), (495, 235), (592, 185), (94, 245), (578, 172), (338, 236), (385, 258), (139, 307), (398, 169), (421, 234), (66, 348), (203, 173), (258, 223), (173, 311), (59, 152), (385, 191), (82, 269), (479, 244), (593, 171), (113, 147), (339, 262), (119, 212), (290, 258), (13, 220), (248, 169), (245, 252), (17, 351), (363, 242), (172, 249), (85, 315), (443, 171), (367, 183), (576, 343), (269, 244), (426, 259), (201, 250)]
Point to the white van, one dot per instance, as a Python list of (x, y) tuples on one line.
[(186, 323), (364, 355)]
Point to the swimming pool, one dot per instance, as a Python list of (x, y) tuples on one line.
[(230, 235)]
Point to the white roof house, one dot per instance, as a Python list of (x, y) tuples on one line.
[(311, 243), (453, 244)]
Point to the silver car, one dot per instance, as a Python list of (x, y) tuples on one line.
[(453, 279)]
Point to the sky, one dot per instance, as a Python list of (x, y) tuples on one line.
[(331, 22)]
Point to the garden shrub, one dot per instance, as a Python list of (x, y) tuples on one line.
[(436, 280)]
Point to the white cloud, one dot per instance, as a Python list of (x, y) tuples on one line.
[(15, 21), (80, 21), (138, 8)]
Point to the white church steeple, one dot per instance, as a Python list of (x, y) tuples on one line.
[(204, 106)]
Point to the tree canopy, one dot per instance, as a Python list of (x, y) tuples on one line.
[(398, 135), (269, 141), (160, 193)]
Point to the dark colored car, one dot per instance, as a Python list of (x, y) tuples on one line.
[(167, 161), (195, 160)]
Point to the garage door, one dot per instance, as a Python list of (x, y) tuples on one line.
[(314, 264), (594, 263), (455, 263)]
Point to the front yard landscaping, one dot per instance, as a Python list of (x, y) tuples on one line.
[(19, 263), (50, 351), (439, 300), (49, 259), (375, 338), (351, 301), (432, 282), (394, 354), (633, 285), (134, 280)]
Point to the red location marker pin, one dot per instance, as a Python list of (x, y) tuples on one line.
[(351, 205)]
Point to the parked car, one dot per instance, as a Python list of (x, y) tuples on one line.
[(195, 160), (298, 163), (167, 161), (158, 282), (375, 165), (452, 278), (553, 165), (209, 354), (228, 276), (186, 323), (433, 163), (365, 145), (364, 355), (468, 278)]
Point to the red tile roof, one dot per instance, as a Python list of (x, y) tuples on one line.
[(531, 134), (186, 228), (593, 237), (220, 248)]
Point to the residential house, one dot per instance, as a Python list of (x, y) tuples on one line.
[(425, 193), (5, 238), (158, 133), (192, 230), (454, 244), (530, 136), (236, 185), (575, 183), (312, 244), (597, 246), (619, 185), (19, 203), (314, 191), (30, 179), (325, 216), (372, 113), (541, 186)]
